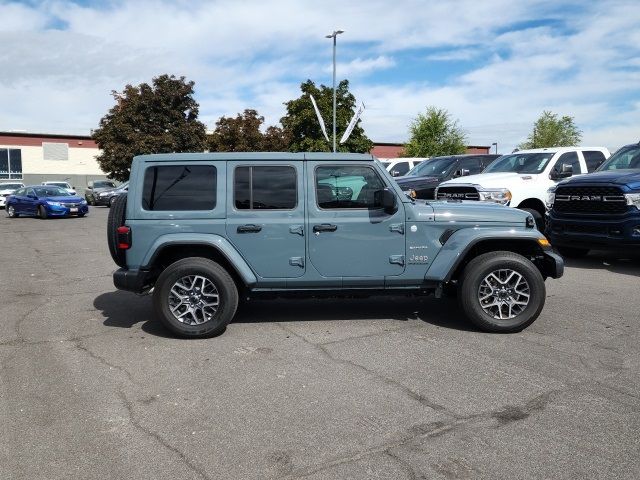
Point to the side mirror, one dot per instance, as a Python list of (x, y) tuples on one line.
[(566, 171), (386, 200), (463, 172), (33, 197)]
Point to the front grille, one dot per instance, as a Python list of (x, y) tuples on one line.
[(71, 205), (457, 193), (590, 200)]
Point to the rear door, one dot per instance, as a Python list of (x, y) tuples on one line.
[(265, 215)]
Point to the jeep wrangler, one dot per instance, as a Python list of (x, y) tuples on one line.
[(201, 230)]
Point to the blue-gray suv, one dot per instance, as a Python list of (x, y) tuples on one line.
[(201, 230)]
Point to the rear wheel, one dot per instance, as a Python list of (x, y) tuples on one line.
[(42, 212), (502, 292), (11, 212), (572, 252), (195, 297), (115, 220)]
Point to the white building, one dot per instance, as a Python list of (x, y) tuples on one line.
[(33, 158)]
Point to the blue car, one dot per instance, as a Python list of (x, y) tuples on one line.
[(45, 201)]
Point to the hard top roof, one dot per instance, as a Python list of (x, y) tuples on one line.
[(254, 156)]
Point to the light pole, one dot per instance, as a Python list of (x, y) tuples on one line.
[(496, 145), (334, 35)]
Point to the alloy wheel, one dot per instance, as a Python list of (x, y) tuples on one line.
[(504, 294), (194, 300)]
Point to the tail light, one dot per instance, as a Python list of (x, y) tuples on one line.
[(124, 237)]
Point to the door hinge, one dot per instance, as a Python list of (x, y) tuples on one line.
[(297, 229), (397, 259), (296, 262), (397, 227)]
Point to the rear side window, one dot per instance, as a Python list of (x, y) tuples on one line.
[(180, 187), (265, 188), (399, 169), (593, 160)]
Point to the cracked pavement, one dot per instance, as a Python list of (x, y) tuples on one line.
[(91, 386)]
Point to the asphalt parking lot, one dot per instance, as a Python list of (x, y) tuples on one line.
[(393, 388)]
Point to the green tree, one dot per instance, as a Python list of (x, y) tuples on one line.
[(243, 134), (551, 131), (301, 126), (157, 118), (434, 134)]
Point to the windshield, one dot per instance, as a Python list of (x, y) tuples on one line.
[(436, 167), (51, 191), (626, 157), (521, 163), (10, 186), (59, 184)]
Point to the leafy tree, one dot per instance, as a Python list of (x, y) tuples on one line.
[(242, 134), (551, 131), (434, 134), (300, 123), (157, 118)]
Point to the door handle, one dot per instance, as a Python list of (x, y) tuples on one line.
[(324, 227), (249, 228)]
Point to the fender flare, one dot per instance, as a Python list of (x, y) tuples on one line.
[(217, 242)]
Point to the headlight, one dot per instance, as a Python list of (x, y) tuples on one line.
[(633, 199), (83, 202), (500, 195), (54, 204), (551, 198)]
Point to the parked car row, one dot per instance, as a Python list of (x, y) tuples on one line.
[(56, 199)]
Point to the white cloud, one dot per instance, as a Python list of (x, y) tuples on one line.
[(64, 58)]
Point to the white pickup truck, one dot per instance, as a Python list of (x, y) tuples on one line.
[(521, 179)]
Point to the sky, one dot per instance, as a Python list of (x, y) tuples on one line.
[(494, 65)]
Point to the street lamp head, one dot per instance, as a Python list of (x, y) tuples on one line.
[(334, 34)]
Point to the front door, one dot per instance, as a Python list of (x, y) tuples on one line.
[(265, 216), (349, 235)]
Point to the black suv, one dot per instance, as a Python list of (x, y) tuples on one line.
[(422, 180)]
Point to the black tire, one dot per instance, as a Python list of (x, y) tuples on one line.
[(211, 271), (572, 252), (480, 268), (42, 212), (11, 212), (537, 217), (116, 219)]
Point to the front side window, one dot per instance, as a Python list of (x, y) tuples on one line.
[(569, 158), (626, 157), (265, 188), (473, 164), (180, 187), (347, 186), (400, 168), (435, 167), (521, 163)]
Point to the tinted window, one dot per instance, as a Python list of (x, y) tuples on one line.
[(265, 188), (593, 160), (183, 187), (400, 168), (521, 163), (626, 157), (347, 186), (50, 191), (102, 184), (569, 158), (472, 164), (434, 167), (9, 186), (22, 192)]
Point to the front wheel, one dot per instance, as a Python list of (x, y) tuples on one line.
[(502, 292), (195, 297), (42, 212), (11, 211)]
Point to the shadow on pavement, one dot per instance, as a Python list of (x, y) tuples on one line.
[(124, 310), (625, 263)]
